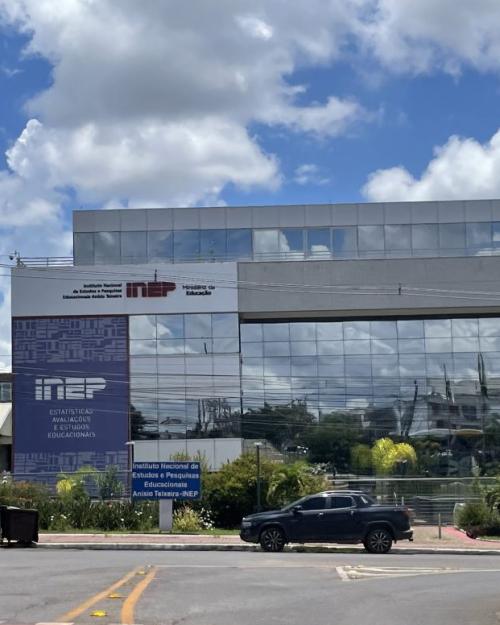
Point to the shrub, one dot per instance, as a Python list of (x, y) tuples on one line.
[(477, 519), (186, 519), (292, 481), (230, 493)]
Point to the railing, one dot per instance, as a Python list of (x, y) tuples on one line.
[(45, 261), (430, 499)]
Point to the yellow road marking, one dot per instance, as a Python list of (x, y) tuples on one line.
[(75, 612), (128, 608)]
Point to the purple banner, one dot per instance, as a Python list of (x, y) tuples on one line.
[(70, 393)]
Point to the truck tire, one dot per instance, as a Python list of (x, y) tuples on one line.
[(272, 539), (378, 540)]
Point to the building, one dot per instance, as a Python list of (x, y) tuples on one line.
[(198, 329), (5, 421)]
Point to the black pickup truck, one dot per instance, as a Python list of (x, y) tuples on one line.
[(330, 517)]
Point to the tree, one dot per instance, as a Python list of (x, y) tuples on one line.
[(361, 458), (332, 438), (277, 424), (387, 455), (291, 481)]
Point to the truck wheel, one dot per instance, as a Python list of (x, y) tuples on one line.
[(272, 539), (378, 540)]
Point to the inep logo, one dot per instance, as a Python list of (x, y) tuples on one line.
[(67, 388), (149, 289)]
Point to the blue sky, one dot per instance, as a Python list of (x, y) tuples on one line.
[(271, 102)]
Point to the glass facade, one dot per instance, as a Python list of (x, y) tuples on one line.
[(184, 375), (376, 241), (403, 378)]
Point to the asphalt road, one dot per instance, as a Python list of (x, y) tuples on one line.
[(214, 588)]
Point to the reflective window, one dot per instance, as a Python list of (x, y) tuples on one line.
[(239, 244), (496, 233), (225, 324), (345, 242), (437, 328), (397, 237), (213, 244), (142, 326), (291, 243), (160, 245), (133, 247), (314, 503), (318, 243), (251, 332), (478, 235), (410, 329), (464, 327), (170, 326), (451, 236), (107, 247), (424, 238), (277, 348), (197, 326), (303, 331), (83, 248), (266, 244), (276, 332), (186, 245), (370, 239)]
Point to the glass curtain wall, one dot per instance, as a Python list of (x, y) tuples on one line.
[(184, 375), (339, 242), (432, 379)]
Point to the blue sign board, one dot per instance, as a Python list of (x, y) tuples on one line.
[(166, 480), (70, 393)]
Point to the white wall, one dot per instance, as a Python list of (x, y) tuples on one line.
[(217, 451)]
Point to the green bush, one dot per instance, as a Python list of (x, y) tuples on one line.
[(187, 519), (292, 481), (230, 493), (477, 519)]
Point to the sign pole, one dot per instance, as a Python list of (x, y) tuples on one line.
[(166, 515)]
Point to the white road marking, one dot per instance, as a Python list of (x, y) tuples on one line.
[(360, 572)]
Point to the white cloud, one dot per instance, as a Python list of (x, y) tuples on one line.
[(463, 168), (309, 173), (426, 35)]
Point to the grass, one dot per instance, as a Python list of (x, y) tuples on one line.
[(494, 538)]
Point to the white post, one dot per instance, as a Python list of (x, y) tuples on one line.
[(166, 518)]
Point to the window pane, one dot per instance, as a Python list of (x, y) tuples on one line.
[(239, 244), (331, 367), (170, 326), (225, 324), (133, 247), (213, 244), (451, 236), (251, 332), (356, 330), (303, 331), (424, 237), (318, 242), (496, 233), (291, 243), (370, 238), (437, 328), (398, 238), (277, 348), (438, 345), (107, 247), (315, 503), (303, 348), (266, 244), (478, 235), (83, 248), (411, 346), (198, 346), (410, 329), (464, 327), (277, 367), (276, 332), (142, 347), (198, 326), (142, 326), (329, 330), (252, 349), (226, 345), (357, 347), (384, 346), (383, 330), (186, 245), (341, 502), (172, 346), (489, 326), (160, 245), (304, 366), (331, 347), (344, 242), (470, 344)]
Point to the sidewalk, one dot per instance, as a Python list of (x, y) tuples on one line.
[(425, 541)]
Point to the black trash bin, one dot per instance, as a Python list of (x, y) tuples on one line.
[(19, 525)]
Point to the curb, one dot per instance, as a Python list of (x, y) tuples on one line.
[(252, 547)]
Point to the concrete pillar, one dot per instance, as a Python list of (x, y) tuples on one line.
[(166, 518)]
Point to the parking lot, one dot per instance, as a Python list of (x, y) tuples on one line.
[(212, 588)]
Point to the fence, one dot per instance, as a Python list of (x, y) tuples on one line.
[(430, 499)]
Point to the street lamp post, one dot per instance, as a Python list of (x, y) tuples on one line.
[(130, 445), (258, 445)]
